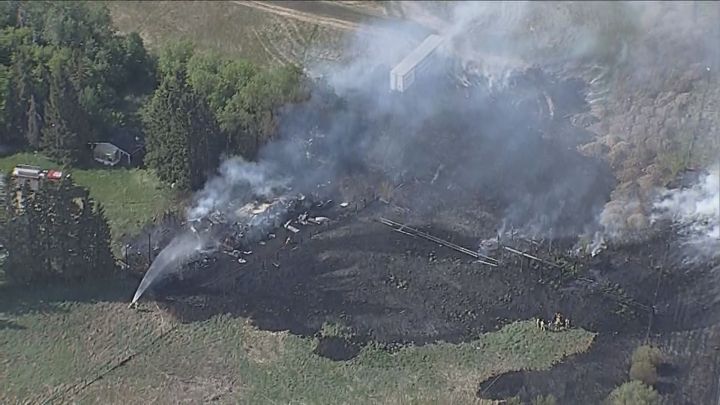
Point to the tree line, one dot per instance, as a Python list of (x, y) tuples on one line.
[(65, 77), (207, 105), (68, 79), (57, 232)]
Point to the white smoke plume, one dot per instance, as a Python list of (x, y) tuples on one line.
[(696, 213), (237, 179)]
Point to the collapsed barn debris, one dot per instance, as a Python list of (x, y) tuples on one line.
[(233, 231)]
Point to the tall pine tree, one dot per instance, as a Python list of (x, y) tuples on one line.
[(97, 254), (182, 134), (18, 235), (34, 123), (65, 131), (55, 233)]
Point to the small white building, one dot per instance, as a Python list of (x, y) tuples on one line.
[(403, 75)]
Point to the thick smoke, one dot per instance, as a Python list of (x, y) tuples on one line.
[(476, 123), (237, 180), (695, 212)]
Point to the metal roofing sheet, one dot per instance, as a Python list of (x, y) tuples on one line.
[(417, 55)]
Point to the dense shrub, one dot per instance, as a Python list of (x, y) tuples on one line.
[(633, 393), (644, 362), (643, 371), (647, 353), (55, 233), (65, 74), (206, 104)]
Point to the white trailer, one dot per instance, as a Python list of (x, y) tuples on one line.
[(403, 75)]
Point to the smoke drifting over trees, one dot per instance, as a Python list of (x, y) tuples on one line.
[(360, 124), (502, 138)]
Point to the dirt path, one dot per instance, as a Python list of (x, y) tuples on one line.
[(300, 15), (331, 15)]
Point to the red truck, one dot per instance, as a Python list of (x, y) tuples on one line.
[(34, 175)]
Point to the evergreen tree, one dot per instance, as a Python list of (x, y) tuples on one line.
[(139, 74), (9, 13), (161, 137), (17, 235), (98, 253), (65, 131), (77, 232), (182, 134), (7, 136), (33, 124), (20, 93), (55, 233), (102, 66)]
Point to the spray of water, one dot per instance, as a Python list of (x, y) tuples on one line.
[(229, 197), (181, 249)]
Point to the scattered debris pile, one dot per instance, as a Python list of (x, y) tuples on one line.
[(240, 227)]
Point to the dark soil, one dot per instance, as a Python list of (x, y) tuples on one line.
[(336, 348)]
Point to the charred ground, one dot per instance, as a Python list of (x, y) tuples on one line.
[(464, 181)]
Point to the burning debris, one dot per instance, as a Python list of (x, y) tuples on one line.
[(319, 220), (234, 230), (290, 227)]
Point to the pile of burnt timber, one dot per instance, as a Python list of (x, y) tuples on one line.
[(404, 229)]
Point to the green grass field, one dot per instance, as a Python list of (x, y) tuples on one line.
[(53, 341), (131, 197)]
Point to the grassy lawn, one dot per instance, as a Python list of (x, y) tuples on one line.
[(58, 342), (131, 197)]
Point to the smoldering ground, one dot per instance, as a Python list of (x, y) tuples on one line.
[(503, 141)]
